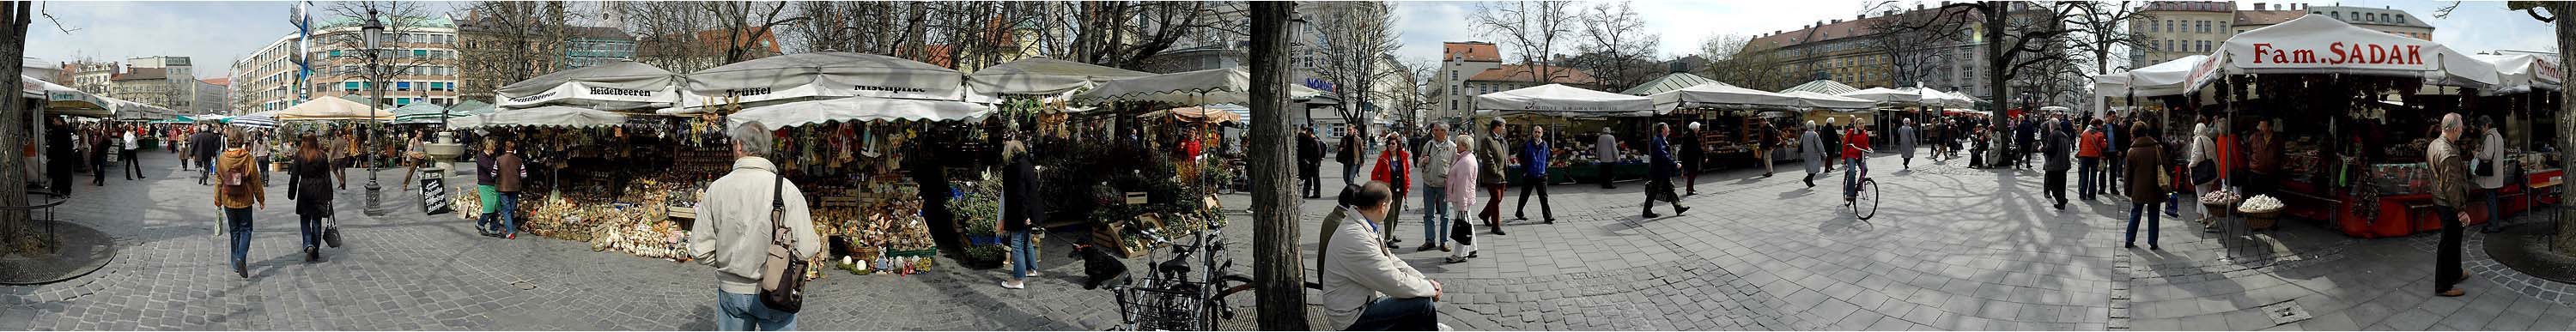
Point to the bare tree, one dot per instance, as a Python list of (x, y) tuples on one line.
[(1617, 47), (1278, 271), (400, 52), (2104, 26), (686, 36), (1532, 27), (747, 25), (1356, 39), (1124, 34), (510, 41), (2018, 35), (1912, 55), (1735, 59), (15, 16)]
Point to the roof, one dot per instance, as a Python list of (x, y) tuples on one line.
[(1524, 73), (1674, 81), (605, 33), (219, 81), (142, 74), (1827, 32), (2403, 18), (2266, 17), (1470, 51)]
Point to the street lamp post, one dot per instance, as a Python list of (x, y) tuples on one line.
[(374, 33)]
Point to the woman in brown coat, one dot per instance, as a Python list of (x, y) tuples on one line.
[(2145, 158)]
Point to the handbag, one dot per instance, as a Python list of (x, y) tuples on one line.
[(782, 278), (2204, 172)]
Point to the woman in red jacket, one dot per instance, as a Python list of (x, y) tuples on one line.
[(1393, 168)]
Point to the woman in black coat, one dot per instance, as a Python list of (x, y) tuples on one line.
[(309, 184), (1020, 209)]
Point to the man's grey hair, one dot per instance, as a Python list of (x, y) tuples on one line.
[(1439, 126), (752, 137), (2451, 121)]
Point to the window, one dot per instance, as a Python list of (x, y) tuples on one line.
[(2401, 19), (402, 86)]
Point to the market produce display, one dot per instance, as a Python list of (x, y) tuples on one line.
[(2260, 204)]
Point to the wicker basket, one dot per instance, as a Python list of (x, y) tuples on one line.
[(2219, 210), (2262, 220)]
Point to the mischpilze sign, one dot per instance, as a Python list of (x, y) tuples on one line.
[(2340, 53), (535, 97), (888, 89)]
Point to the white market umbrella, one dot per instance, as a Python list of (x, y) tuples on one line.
[(1719, 93), (543, 116), (422, 113), (1884, 95), (1828, 87), (1561, 100), (822, 75), (1811, 99), (1043, 76), (2522, 73), (261, 120), (623, 85), (64, 100), (1213, 86), (857, 109), (2168, 78), (331, 109)]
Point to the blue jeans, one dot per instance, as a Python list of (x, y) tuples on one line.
[(1393, 314), (1351, 175), (1021, 256), (509, 213), (1435, 215), (1851, 176), (2085, 176), (239, 220), (2495, 214), (312, 226), (2147, 208), (743, 312)]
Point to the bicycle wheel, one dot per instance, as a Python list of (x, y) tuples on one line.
[(1865, 202)]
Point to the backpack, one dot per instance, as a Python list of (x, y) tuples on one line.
[(782, 277)]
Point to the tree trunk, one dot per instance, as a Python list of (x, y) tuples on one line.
[(14, 17), (1277, 270), (2565, 241), (1995, 12)]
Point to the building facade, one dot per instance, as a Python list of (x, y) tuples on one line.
[(419, 57), (1849, 51), (2384, 19), (1458, 62), (151, 86), (210, 96), (2167, 30)]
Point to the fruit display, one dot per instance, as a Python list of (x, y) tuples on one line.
[(2219, 198), (643, 232)]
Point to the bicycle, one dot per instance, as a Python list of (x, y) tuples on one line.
[(1170, 299), (1864, 192)]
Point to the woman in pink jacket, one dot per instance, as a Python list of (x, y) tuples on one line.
[(1462, 195)]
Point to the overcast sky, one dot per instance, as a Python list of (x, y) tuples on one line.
[(2475, 27), (215, 33)]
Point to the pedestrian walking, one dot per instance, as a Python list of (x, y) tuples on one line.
[(1351, 156), (237, 193), (1355, 270), (1310, 161), (508, 169), (1661, 169), (741, 217), (259, 154), (1438, 152), (1770, 140), (1811, 149), (1534, 162), (2450, 173), (2116, 153), (100, 145), (1833, 135), (125, 155), (485, 185), (2088, 161), (1462, 196), (2144, 190), (2491, 163), (1692, 155), (59, 157), (1490, 153), (1905, 143), (415, 155), (1606, 158), (1021, 208), (203, 146), (308, 182), (1395, 168), (2056, 149)]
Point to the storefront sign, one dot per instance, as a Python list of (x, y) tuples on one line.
[(2338, 53), (433, 193)]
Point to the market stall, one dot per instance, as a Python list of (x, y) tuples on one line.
[(1172, 187), (618, 86), (1557, 101)]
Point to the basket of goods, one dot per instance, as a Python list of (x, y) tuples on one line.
[(2261, 212), (2219, 201)]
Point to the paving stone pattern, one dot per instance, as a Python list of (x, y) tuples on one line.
[(1953, 249)]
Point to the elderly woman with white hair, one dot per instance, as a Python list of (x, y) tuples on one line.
[(1811, 149)]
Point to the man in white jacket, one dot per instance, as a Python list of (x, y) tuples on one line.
[(1367, 288), (735, 227)]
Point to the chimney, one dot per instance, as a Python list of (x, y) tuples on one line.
[(1918, 6), (2258, 6), (1857, 17), (1838, 21)]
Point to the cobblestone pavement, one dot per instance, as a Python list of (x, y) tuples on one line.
[(1953, 249)]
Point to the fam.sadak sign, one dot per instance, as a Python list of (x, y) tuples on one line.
[(2317, 44)]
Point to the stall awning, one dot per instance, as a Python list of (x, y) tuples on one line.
[(1810, 99), (1721, 94), (822, 75), (1670, 82), (2522, 73), (857, 109), (543, 116), (1561, 100), (1043, 76), (2317, 44), (1213, 86), (331, 109), (623, 85), (1885, 95), (1827, 87), (64, 100)]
